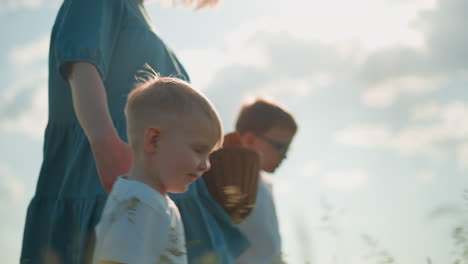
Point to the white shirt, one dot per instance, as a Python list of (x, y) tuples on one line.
[(139, 226), (261, 228)]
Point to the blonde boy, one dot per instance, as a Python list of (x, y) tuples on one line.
[(172, 129), (268, 128)]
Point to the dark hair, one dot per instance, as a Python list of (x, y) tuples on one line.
[(262, 115)]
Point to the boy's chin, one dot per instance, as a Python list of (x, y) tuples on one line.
[(270, 170), (179, 190)]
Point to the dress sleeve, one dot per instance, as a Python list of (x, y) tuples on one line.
[(88, 32)]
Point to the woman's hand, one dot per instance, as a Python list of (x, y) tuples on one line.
[(113, 158)]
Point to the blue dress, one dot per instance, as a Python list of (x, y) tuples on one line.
[(117, 37)]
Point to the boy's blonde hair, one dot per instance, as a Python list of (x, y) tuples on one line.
[(164, 102), (262, 115)]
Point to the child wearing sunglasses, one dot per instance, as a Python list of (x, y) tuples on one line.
[(268, 128)]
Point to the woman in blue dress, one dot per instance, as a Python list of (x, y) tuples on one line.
[(96, 49)]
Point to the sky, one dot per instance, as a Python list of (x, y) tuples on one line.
[(378, 169)]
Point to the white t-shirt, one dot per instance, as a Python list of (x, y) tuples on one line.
[(261, 228), (139, 226)]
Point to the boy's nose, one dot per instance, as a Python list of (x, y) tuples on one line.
[(205, 165)]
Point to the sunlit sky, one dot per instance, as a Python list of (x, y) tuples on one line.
[(379, 88)]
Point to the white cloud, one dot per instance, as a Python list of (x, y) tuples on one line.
[(292, 90), (310, 169), (372, 44), (450, 120), (268, 42), (440, 58), (463, 157), (374, 24), (418, 139), (410, 140), (30, 53), (386, 93), (345, 180), (12, 189), (337, 180), (433, 130), (365, 135), (14, 196), (258, 59), (204, 64), (24, 105), (211, 59), (425, 177), (425, 112), (14, 4), (284, 186)]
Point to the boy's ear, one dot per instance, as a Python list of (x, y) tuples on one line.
[(248, 139), (151, 139)]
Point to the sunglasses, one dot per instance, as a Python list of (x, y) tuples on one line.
[(281, 148)]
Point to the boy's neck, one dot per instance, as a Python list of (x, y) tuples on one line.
[(138, 173)]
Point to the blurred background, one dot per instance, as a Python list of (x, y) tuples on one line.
[(378, 170)]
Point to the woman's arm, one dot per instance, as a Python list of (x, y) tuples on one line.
[(112, 155)]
